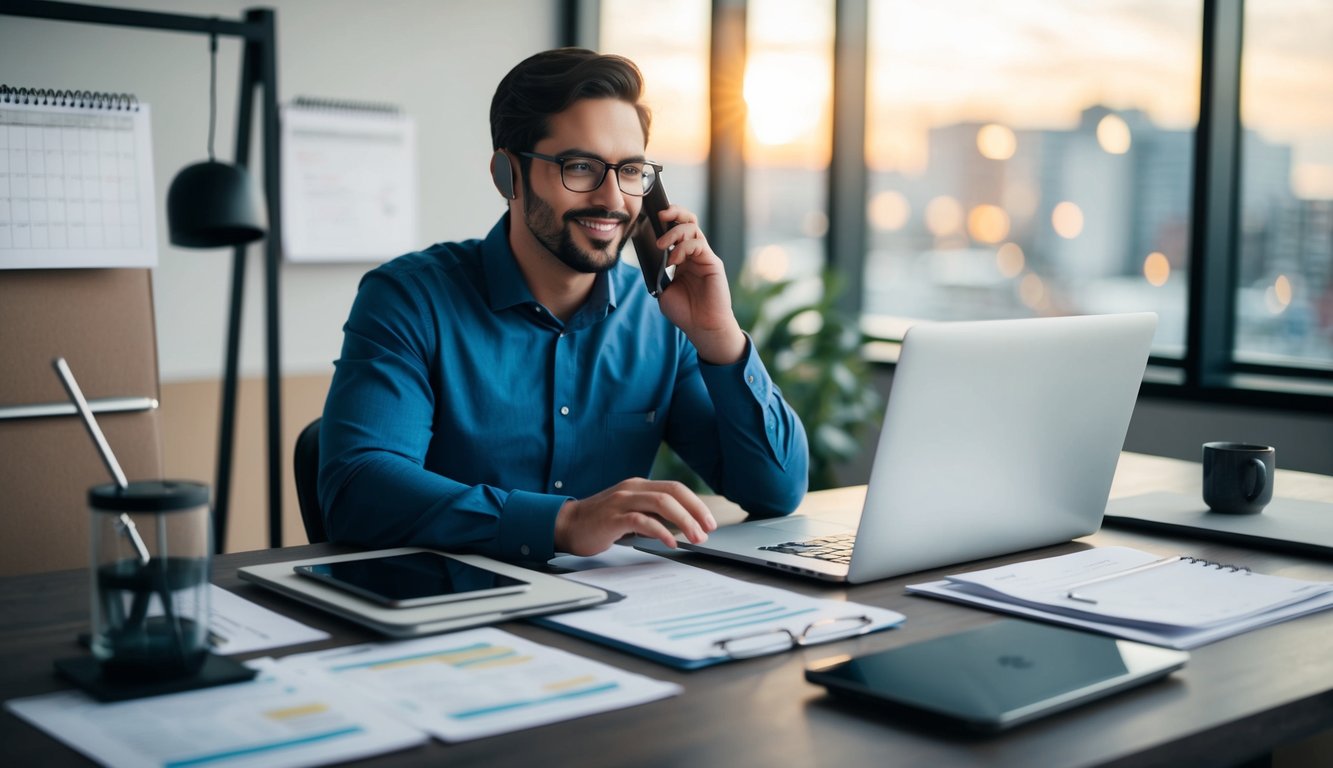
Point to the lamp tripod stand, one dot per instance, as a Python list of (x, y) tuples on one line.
[(258, 70)]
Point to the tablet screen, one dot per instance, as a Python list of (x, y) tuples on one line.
[(418, 578)]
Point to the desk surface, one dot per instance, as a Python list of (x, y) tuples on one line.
[(1236, 699)]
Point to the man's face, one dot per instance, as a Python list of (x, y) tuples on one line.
[(585, 230)]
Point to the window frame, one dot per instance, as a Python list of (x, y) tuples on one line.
[(1209, 371)]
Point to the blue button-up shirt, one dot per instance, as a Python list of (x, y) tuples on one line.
[(463, 414)]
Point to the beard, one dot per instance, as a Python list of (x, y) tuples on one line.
[(558, 236)]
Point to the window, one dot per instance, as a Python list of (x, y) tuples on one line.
[(1284, 291), (1035, 158), (788, 100), (669, 42), (1030, 159)]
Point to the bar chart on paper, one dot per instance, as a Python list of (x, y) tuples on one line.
[(278, 720), (482, 682), (76, 181)]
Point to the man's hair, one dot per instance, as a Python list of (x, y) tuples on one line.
[(547, 83)]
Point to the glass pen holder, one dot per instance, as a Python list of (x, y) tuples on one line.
[(151, 561)]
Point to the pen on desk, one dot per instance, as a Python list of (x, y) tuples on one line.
[(1072, 595)]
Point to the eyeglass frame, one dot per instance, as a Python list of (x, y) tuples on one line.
[(794, 640), (560, 160)]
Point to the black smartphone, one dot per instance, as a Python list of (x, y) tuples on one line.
[(407, 581), (1000, 675), (648, 228)]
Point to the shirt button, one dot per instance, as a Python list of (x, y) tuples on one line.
[(537, 308), (559, 484), (523, 550), (564, 410), (750, 378), (562, 334)]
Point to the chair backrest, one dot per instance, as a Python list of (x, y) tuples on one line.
[(306, 463)]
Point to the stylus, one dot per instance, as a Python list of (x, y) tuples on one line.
[(1146, 566)]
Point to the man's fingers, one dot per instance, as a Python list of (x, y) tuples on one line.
[(666, 506), (689, 500), (649, 527)]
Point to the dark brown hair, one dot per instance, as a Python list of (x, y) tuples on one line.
[(547, 83)]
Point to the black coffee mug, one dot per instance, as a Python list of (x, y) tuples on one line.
[(1238, 477)]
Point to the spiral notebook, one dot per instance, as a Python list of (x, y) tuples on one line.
[(76, 180), (349, 188), (1178, 601)]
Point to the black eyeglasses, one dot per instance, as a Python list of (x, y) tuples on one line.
[(585, 174)]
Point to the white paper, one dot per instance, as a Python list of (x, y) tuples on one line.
[(349, 185), (76, 187), (685, 612), (1135, 587), (279, 720), (480, 682), (1177, 605), (237, 625), (1181, 639)]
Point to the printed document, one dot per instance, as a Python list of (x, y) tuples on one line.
[(480, 682), (278, 720), (690, 617), (1178, 602), (237, 625)]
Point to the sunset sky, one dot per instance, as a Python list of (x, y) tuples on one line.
[(1027, 64)]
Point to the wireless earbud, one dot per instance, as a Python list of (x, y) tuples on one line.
[(502, 173)]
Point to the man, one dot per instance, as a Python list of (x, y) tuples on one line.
[(508, 395)]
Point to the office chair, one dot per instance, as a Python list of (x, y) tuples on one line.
[(306, 463)]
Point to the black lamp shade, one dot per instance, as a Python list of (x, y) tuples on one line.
[(213, 205)]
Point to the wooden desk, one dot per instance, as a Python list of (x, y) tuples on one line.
[(1236, 699)]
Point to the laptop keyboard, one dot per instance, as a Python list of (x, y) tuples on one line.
[(835, 549)]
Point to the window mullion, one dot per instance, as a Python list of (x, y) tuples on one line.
[(1210, 332), (848, 174), (724, 217)]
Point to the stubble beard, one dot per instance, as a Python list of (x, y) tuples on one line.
[(558, 236)]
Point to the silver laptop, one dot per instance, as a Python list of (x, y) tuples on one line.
[(999, 436)]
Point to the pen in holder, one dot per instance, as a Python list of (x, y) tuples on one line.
[(150, 614), (150, 573)]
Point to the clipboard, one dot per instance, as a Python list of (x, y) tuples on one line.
[(548, 594)]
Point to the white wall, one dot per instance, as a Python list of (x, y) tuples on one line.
[(438, 59)]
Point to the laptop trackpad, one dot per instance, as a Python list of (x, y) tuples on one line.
[(800, 527)]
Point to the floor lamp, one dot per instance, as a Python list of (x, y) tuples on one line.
[(258, 70)]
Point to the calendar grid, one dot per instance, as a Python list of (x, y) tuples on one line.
[(76, 187)]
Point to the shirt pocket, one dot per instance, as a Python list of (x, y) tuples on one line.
[(629, 443)]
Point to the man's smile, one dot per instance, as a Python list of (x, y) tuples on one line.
[(599, 226)]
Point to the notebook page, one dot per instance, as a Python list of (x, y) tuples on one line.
[(1185, 593)]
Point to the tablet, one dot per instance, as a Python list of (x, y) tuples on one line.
[(414, 579), (999, 675)]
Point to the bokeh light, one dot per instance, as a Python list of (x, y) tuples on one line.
[(1113, 134), (944, 216), (996, 142), (1067, 219), (1009, 260), (988, 223), (1156, 269), (889, 210)]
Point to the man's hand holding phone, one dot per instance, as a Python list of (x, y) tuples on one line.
[(698, 299)]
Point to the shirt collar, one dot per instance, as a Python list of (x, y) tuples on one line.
[(506, 287)]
